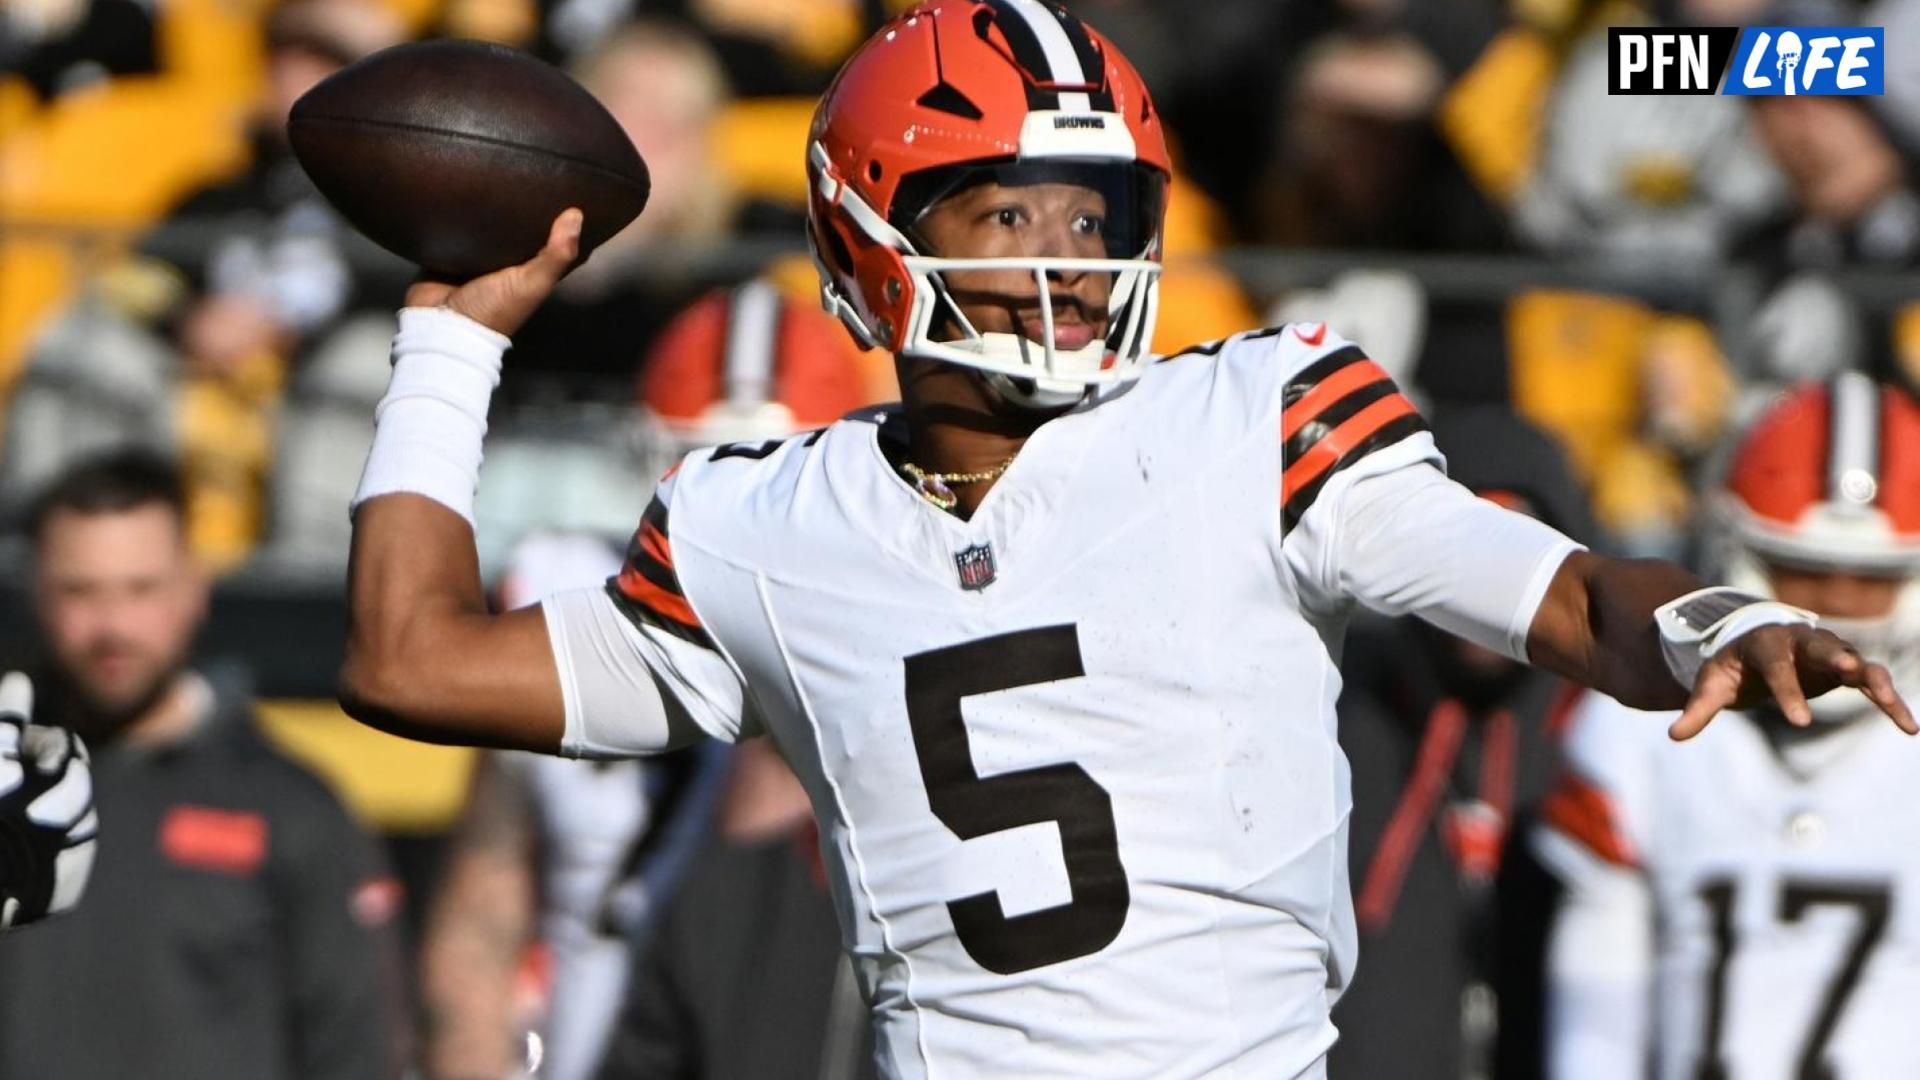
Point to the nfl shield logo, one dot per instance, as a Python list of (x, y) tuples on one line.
[(976, 567)]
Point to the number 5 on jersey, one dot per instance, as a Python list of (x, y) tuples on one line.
[(973, 806)]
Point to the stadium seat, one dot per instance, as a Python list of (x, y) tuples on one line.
[(1491, 115), (393, 784), (760, 145)]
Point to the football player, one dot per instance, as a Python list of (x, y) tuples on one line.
[(1053, 644), (47, 823), (1754, 889)]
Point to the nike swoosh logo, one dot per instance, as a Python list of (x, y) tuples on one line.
[(1314, 339)]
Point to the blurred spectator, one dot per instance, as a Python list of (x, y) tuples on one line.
[(746, 977), (566, 859), (1850, 177), (1853, 194), (665, 87), (1216, 79), (1646, 180), (274, 280), (766, 49), (1449, 745), (787, 48), (1901, 105), (1359, 161), (237, 923)]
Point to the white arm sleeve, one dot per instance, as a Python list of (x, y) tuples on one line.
[(1397, 535), (633, 689)]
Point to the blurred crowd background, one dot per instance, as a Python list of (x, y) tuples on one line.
[(1557, 274)]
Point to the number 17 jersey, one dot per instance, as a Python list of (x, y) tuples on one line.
[(1074, 758)]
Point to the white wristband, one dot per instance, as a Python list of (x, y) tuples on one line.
[(1695, 627), (427, 430)]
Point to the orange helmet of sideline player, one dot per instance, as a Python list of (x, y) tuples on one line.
[(965, 91), (745, 365), (1827, 481)]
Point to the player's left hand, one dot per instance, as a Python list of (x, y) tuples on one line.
[(1786, 665)]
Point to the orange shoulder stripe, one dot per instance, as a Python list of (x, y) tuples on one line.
[(1331, 448), (1325, 393), (654, 543), (635, 586)]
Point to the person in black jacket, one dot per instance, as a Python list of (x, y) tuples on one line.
[(237, 921)]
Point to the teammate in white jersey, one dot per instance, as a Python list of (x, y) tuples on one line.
[(1755, 890), (1052, 645)]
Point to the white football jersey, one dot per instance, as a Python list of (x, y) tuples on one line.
[(1074, 759), (1769, 898)]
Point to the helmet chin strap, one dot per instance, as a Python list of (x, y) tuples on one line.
[(1035, 392), (1039, 395)]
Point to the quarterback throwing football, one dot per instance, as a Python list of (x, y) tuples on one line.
[(1053, 644)]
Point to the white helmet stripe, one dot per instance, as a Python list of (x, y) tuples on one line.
[(1063, 62), (1853, 440), (753, 326)]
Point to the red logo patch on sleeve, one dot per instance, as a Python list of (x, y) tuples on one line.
[(224, 841)]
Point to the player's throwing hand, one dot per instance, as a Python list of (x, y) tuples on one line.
[(503, 300), (47, 823)]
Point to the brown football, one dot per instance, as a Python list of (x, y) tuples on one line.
[(457, 155)]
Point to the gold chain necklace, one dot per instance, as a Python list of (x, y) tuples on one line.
[(936, 487)]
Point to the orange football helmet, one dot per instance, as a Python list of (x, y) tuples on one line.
[(745, 365), (1828, 479), (1015, 91)]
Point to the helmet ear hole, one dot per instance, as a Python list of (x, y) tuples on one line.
[(874, 171)]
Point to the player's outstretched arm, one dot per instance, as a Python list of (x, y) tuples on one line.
[(424, 658), (1408, 540), (1596, 624)]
